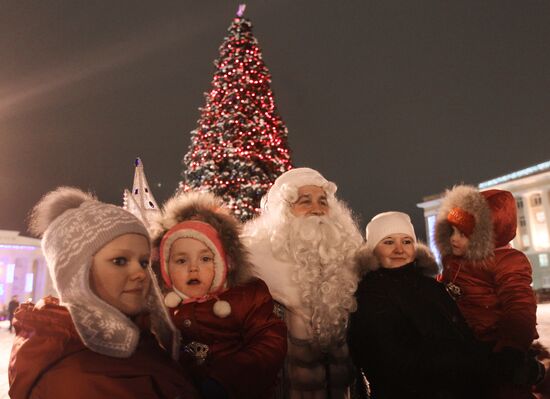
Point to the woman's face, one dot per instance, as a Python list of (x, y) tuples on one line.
[(395, 250), (119, 273)]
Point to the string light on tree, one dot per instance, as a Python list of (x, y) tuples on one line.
[(240, 144)]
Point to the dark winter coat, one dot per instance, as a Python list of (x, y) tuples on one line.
[(49, 361), (12, 306), (408, 336)]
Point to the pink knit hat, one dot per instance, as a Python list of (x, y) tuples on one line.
[(206, 234)]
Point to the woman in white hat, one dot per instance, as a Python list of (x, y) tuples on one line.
[(407, 335)]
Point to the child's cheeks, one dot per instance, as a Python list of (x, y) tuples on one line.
[(459, 242), (191, 267)]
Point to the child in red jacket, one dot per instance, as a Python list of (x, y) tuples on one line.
[(232, 342), (490, 281)]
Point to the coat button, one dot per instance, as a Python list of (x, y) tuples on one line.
[(187, 323)]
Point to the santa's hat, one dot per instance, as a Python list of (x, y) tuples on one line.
[(291, 181)]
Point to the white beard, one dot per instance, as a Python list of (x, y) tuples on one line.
[(321, 253)]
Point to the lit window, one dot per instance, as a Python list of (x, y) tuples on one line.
[(543, 260), (540, 238), (519, 203), (522, 222), (536, 200), (525, 240), (28, 282), (431, 239), (546, 282), (10, 273), (1, 289), (540, 217)]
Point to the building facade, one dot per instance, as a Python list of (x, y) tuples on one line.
[(531, 188), (23, 269)]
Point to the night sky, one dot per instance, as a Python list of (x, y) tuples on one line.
[(392, 100)]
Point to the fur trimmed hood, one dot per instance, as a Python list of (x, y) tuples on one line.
[(495, 220), (207, 208), (425, 261)]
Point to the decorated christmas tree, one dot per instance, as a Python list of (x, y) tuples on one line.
[(240, 145)]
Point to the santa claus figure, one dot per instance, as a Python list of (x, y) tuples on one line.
[(303, 245)]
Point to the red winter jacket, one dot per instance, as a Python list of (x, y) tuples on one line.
[(49, 361), (497, 300), (246, 348)]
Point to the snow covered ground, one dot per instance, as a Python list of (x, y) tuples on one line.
[(543, 318), (5, 347)]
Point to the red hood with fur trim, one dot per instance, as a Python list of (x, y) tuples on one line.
[(495, 220), (504, 215)]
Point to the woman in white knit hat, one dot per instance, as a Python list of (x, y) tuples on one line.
[(104, 336), (407, 335)]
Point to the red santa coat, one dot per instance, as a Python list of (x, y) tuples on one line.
[(246, 348), (49, 361)]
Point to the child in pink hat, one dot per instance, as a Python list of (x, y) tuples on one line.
[(232, 342)]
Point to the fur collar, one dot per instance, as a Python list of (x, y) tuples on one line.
[(425, 261)]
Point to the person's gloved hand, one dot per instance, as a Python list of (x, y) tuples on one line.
[(212, 389), (531, 372), (517, 367), (506, 362)]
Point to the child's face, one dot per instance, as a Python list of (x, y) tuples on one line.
[(191, 267), (459, 242), (118, 275)]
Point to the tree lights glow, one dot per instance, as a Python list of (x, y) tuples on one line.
[(240, 145)]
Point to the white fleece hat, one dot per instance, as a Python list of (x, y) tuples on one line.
[(294, 179), (385, 224)]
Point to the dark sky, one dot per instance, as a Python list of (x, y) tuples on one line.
[(393, 100)]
